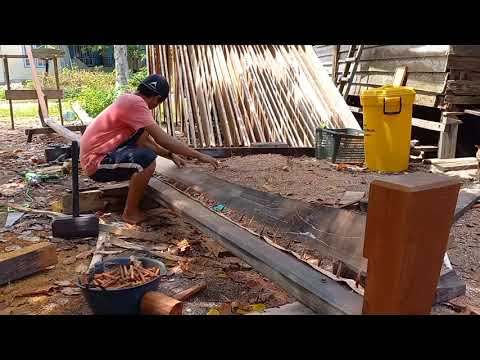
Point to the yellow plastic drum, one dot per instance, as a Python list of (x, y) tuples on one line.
[(387, 124)]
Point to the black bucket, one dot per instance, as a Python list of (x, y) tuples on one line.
[(120, 301)]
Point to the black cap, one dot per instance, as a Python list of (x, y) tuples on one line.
[(157, 84)]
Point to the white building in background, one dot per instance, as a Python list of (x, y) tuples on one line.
[(19, 69)]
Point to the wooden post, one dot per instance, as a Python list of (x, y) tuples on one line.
[(406, 236), (7, 80), (447, 143), (57, 82)]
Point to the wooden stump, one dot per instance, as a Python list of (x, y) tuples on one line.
[(408, 226)]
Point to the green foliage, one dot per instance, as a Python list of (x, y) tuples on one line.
[(136, 78), (94, 99), (2, 94), (93, 88)]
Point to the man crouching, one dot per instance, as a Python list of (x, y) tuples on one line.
[(123, 141)]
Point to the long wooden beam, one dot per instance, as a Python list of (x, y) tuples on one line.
[(313, 289)]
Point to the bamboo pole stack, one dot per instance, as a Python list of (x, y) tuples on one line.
[(237, 95)]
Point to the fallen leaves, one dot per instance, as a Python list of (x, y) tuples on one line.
[(214, 248), (183, 246), (232, 308)]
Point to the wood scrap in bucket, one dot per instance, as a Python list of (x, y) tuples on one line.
[(122, 276)]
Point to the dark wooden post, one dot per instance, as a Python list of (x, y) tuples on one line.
[(406, 236), (7, 80)]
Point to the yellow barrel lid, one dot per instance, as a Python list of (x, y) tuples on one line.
[(388, 90), (377, 96)]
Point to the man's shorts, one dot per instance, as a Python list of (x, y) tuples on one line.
[(123, 162)]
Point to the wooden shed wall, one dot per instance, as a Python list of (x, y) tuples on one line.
[(427, 68)]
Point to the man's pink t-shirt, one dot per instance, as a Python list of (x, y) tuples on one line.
[(112, 127)]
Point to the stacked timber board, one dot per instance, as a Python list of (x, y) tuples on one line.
[(239, 95)]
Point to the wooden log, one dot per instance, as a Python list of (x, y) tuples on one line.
[(26, 261), (406, 236)]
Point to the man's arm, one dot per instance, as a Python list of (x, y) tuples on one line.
[(168, 142)]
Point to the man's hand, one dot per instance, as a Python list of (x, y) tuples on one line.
[(208, 160), (178, 160)]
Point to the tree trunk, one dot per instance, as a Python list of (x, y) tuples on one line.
[(121, 65)]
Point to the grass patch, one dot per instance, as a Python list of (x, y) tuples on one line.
[(30, 109)]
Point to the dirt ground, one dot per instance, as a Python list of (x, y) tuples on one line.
[(232, 286)]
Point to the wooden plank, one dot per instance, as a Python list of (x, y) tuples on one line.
[(400, 76), (463, 87), (454, 164), (431, 82), (193, 97), (217, 96), (82, 114), (475, 112), (47, 130), (401, 263), (249, 102), (429, 125), (57, 83), (465, 50), (59, 129), (467, 197), (447, 145), (31, 94), (310, 287), (204, 117), (449, 287), (329, 90), (26, 261), (188, 104), (465, 63)]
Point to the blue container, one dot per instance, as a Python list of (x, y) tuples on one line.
[(120, 301)]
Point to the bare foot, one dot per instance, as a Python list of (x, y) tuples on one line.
[(134, 217)]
